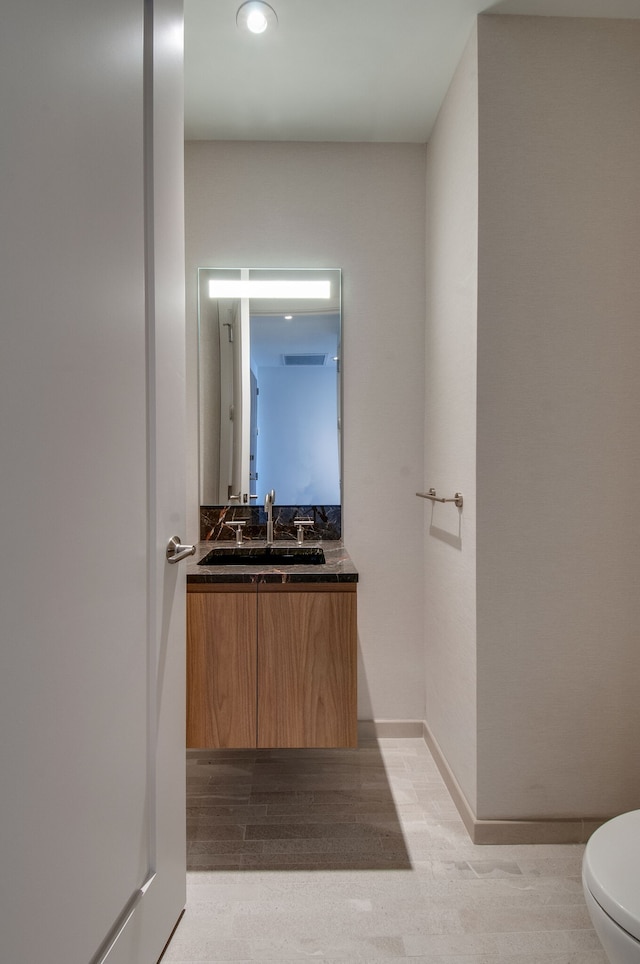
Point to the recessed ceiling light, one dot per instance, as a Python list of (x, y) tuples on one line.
[(256, 16)]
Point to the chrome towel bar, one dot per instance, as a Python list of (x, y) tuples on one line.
[(431, 494)]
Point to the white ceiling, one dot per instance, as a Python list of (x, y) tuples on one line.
[(338, 70)]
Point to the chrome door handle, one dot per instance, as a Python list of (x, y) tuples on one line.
[(176, 551)]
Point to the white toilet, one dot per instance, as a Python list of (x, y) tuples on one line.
[(611, 881)]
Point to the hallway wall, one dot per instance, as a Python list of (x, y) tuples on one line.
[(359, 207), (450, 423), (558, 402), (531, 681)]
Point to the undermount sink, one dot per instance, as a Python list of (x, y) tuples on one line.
[(264, 556)]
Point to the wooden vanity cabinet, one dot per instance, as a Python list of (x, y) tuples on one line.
[(306, 665), (221, 666), (271, 665)]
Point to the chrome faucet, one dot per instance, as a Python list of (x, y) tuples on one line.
[(269, 499)]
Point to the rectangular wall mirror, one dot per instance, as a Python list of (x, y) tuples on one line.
[(270, 386)]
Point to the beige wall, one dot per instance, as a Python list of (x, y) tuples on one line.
[(450, 423), (533, 661), (558, 401), (359, 207)]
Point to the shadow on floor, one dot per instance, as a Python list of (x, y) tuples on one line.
[(292, 810)]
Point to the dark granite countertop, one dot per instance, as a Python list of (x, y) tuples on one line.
[(337, 568)]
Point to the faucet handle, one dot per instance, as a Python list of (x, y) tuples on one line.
[(300, 527), (238, 523)]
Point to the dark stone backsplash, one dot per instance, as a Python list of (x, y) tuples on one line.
[(327, 521)]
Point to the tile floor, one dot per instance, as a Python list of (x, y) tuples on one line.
[(359, 855)]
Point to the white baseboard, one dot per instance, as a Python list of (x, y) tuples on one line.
[(535, 831), (390, 729)]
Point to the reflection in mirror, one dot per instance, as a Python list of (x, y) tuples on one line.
[(269, 357)]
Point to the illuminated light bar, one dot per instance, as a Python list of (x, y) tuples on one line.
[(269, 289)]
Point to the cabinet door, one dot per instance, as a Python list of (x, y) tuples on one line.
[(306, 667), (221, 668)]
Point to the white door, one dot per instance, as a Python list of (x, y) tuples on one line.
[(235, 400), (91, 481), (228, 335), (242, 399)]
